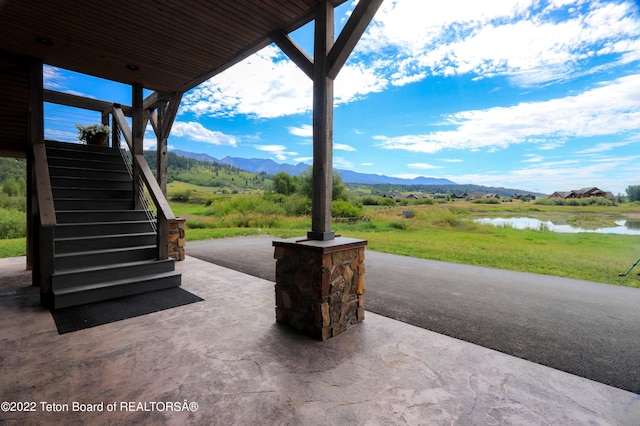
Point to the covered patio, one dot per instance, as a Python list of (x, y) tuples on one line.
[(167, 49), (227, 355), (225, 360)]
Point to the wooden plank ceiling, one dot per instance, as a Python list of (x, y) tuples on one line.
[(172, 45)]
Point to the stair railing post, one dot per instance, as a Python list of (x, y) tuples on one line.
[(137, 136), (46, 223)]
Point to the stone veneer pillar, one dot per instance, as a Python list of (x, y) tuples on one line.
[(176, 239), (320, 284)]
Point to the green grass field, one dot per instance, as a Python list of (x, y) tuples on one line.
[(440, 231)]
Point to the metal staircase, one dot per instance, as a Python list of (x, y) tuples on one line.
[(103, 247)]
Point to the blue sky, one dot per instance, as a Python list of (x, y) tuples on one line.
[(540, 95)]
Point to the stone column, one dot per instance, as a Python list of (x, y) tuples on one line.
[(176, 239), (320, 284)]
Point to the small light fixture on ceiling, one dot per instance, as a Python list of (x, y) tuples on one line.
[(44, 40), (132, 67)]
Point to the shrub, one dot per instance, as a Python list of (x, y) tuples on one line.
[(487, 201), (196, 224), (370, 200), (11, 187), (550, 201), (421, 201), (384, 201), (341, 208), (12, 224), (591, 201), (180, 195), (13, 203), (296, 205), (223, 206), (402, 226)]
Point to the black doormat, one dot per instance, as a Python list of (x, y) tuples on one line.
[(76, 318)]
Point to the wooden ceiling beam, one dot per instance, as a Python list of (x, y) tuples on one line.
[(76, 101), (297, 55)]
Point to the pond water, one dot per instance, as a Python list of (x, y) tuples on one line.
[(627, 227)]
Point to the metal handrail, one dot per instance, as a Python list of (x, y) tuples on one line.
[(142, 194), (164, 215)]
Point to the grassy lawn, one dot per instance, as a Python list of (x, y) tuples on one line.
[(13, 247), (446, 232)]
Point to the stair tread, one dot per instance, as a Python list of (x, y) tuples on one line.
[(89, 187), (110, 266), (114, 283), (111, 250), (88, 168), (90, 237), (115, 222), (99, 211), (91, 199), (90, 179)]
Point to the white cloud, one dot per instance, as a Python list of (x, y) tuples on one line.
[(343, 147), (601, 147), (548, 177), (342, 163), (305, 131), (303, 159), (406, 175), (530, 41), (272, 148), (197, 132), (279, 151), (613, 108), (55, 79), (410, 40), (366, 164), (356, 80), (265, 85), (268, 85), (52, 77), (423, 166), (533, 158)]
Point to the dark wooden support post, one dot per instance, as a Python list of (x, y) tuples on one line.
[(115, 132), (322, 127), (320, 279), (137, 138), (105, 117), (167, 107), (162, 162), (36, 135)]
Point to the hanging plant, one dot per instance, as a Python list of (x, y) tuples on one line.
[(94, 134)]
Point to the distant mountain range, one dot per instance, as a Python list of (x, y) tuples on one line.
[(259, 165)]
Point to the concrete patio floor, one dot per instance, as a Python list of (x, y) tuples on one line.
[(228, 356)]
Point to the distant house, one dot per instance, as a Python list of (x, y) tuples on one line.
[(589, 192), (455, 196), (524, 197), (412, 197), (474, 196), (583, 193), (481, 195), (563, 194)]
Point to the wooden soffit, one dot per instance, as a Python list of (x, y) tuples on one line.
[(165, 45)]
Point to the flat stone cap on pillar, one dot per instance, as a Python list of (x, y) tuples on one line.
[(324, 246)]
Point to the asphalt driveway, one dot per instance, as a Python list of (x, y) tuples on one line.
[(585, 328)]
